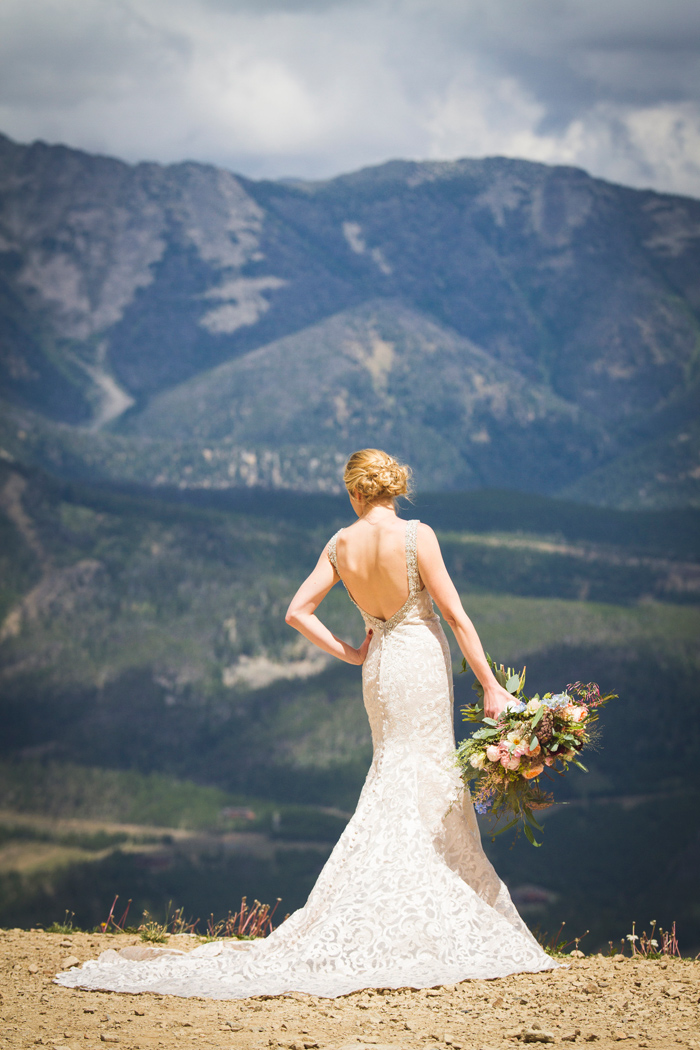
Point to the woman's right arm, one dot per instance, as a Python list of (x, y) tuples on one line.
[(443, 591), (301, 614)]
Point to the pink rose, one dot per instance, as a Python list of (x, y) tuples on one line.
[(549, 760), (574, 712), (510, 761), (492, 753)]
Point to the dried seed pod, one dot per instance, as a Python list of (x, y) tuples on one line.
[(545, 728)]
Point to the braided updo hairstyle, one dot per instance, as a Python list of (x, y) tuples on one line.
[(373, 475)]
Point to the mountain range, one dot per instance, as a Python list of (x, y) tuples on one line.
[(497, 323)]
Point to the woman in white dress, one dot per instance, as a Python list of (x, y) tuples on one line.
[(407, 898)]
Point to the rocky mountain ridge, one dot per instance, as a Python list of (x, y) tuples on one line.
[(565, 312)]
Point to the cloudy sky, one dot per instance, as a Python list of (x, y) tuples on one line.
[(316, 87)]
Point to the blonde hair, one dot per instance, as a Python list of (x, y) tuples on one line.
[(373, 475)]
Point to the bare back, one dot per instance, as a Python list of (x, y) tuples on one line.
[(372, 565)]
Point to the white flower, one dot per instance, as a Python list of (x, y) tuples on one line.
[(478, 760), (632, 937), (654, 943), (533, 706), (518, 740)]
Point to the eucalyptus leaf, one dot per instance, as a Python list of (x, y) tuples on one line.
[(485, 734), (531, 819), (513, 684), (508, 826), (538, 716), (529, 836)]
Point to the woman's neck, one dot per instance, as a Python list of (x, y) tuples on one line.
[(377, 512)]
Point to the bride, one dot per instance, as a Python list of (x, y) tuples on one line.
[(407, 898)]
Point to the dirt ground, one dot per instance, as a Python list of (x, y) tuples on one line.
[(593, 1001)]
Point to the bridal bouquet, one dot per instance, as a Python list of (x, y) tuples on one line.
[(531, 736)]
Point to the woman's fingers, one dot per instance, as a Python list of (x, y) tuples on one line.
[(362, 651), (495, 701)]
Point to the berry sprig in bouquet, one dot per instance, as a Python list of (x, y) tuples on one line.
[(532, 736)]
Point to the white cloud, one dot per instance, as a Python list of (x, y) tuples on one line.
[(315, 87)]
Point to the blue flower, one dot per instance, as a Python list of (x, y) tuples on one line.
[(482, 807), (515, 706), (558, 700)]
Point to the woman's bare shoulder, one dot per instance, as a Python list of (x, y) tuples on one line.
[(426, 533), (428, 547)]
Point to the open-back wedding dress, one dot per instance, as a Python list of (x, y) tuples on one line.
[(407, 898)]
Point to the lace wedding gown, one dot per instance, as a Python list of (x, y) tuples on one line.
[(407, 898)]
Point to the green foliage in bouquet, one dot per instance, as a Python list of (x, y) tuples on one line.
[(506, 756)]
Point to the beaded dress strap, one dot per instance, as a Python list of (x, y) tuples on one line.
[(331, 550), (412, 556)]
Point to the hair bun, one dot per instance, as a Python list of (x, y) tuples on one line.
[(372, 474)]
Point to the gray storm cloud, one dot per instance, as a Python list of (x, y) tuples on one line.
[(315, 87)]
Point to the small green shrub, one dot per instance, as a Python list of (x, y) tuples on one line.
[(152, 931), (63, 927)]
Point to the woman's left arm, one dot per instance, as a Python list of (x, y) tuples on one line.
[(302, 609), (441, 588)]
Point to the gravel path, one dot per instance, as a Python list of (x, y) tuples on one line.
[(594, 1001)]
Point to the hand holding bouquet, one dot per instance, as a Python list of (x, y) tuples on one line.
[(532, 735)]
